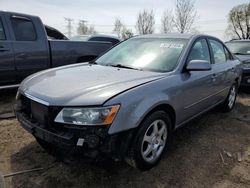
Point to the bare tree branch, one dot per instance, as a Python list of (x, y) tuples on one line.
[(118, 27), (238, 18), (247, 16), (167, 22), (238, 21), (126, 33), (235, 29), (185, 15), (121, 30), (83, 29), (145, 22)]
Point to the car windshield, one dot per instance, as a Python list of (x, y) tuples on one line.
[(239, 47), (153, 54)]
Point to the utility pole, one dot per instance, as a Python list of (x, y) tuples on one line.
[(69, 26)]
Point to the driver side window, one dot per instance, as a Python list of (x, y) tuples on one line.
[(199, 51), (2, 34)]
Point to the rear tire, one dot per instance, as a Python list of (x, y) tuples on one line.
[(229, 103), (150, 141)]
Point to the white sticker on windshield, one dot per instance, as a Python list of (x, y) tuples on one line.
[(171, 45)]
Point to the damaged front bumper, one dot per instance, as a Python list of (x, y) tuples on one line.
[(91, 141)]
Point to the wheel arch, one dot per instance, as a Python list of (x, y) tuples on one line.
[(162, 107)]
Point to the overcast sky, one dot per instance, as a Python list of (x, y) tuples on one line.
[(212, 17)]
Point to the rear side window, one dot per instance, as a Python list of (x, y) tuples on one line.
[(2, 34), (23, 29), (218, 51), (199, 51)]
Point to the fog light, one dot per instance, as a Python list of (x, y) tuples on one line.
[(248, 80)]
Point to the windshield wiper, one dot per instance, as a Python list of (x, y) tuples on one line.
[(238, 53), (123, 66), (93, 62)]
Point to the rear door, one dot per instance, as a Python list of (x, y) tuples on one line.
[(7, 66), (30, 44), (222, 67)]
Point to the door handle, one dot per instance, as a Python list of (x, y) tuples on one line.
[(213, 77), (3, 49), (22, 56)]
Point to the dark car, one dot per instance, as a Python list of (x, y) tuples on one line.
[(127, 103), (241, 49)]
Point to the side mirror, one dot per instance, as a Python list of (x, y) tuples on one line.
[(199, 65)]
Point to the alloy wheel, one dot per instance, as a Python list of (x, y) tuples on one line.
[(154, 141)]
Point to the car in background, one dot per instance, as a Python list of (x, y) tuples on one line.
[(98, 38), (127, 102), (241, 49)]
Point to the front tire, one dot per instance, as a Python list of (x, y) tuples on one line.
[(150, 141), (229, 103)]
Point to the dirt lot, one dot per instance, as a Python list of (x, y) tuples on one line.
[(212, 151)]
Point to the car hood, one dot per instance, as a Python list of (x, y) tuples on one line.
[(83, 84), (244, 58)]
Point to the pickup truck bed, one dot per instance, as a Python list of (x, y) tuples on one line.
[(77, 51)]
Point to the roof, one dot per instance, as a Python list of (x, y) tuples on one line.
[(18, 13)]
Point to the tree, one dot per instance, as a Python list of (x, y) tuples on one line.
[(121, 30), (118, 27), (91, 30), (167, 22), (83, 29), (145, 22), (239, 21), (185, 15), (126, 33)]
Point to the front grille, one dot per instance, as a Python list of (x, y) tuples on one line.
[(40, 113), (36, 112)]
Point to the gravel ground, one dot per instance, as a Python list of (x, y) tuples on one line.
[(212, 151)]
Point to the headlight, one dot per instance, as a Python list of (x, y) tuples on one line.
[(88, 116)]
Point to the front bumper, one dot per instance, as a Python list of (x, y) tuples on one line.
[(61, 140), (87, 140), (93, 141)]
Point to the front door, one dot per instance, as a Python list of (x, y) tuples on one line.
[(198, 85), (7, 64), (30, 45)]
